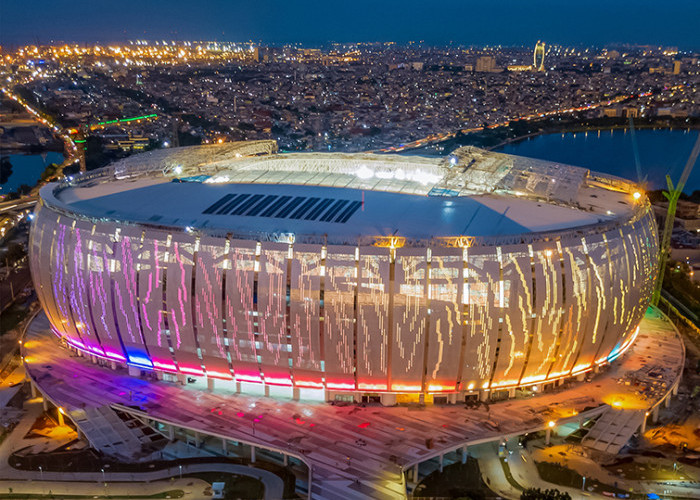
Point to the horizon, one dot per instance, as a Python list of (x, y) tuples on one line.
[(331, 43), (505, 23)]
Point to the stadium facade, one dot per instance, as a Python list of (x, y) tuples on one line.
[(346, 275)]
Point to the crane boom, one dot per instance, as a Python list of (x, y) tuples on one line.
[(672, 196)]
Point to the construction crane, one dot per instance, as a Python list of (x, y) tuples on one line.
[(672, 196)]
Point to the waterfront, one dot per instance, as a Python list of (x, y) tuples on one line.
[(27, 168), (661, 152)]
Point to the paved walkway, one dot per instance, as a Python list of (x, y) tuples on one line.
[(194, 489), (124, 482), (521, 464), (135, 481), (355, 452)]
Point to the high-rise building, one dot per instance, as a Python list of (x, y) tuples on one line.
[(676, 67), (538, 57), (486, 64)]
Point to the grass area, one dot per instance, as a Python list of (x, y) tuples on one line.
[(11, 317), (563, 476), (236, 486), (164, 494), (508, 474), (455, 481), (647, 471)]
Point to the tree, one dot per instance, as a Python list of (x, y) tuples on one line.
[(538, 494), (50, 172), (23, 189), (15, 252), (5, 170)]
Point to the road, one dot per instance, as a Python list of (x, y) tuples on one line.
[(17, 205)]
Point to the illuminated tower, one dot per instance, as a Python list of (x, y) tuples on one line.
[(538, 57)]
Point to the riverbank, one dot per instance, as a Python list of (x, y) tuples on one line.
[(520, 130), (575, 129), (645, 157)]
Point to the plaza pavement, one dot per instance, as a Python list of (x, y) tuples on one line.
[(356, 452), (521, 462), (118, 483)]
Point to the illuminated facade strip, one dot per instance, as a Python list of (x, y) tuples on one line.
[(344, 318)]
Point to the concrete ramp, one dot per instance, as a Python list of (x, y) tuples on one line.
[(613, 429), (117, 434)]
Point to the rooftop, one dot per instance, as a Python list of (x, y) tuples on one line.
[(248, 189)]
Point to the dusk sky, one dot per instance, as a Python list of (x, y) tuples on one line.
[(478, 22)]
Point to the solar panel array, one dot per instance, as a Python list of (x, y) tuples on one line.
[(283, 207)]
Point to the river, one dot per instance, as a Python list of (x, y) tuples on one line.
[(27, 168), (661, 152)]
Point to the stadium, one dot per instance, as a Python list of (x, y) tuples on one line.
[(350, 277)]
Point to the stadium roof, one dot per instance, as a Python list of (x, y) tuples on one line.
[(248, 189)]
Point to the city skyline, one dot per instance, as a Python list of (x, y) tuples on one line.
[(271, 22)]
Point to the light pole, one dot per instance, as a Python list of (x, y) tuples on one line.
[(41, 472), (583, 486), (180, 466), (103, 477)]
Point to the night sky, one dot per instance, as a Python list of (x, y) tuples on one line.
[(477, 22)]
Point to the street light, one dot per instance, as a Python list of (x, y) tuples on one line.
[(180, 466), (103, 477)]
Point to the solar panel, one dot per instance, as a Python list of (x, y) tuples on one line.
[(275, 206), (231, 204), (292, 207), (299, 212), (294, 203), (217, 204), (246, 204), (348, 212), (262, 204), (334, 210), (319, 209)]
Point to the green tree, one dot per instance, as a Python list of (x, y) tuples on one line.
[(538, 494)]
